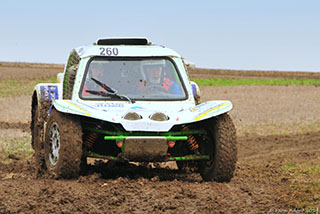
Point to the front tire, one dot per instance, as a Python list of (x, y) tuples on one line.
[(222, 146), (63, 145)]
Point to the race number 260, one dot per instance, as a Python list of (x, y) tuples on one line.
[(109, 51)]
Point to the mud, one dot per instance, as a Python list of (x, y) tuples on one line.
[(257, 186), (134, 189)]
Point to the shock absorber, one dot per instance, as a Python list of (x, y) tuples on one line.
[(192, 142), (91, 139)]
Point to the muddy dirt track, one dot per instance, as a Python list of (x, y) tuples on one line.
[(276, 125)]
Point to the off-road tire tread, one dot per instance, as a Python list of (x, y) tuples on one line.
[(39, 116), (70, 154), (225, 157), (70, 74), (37, 143), (70, 77)]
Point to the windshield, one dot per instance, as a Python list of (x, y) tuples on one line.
[(137, 79)]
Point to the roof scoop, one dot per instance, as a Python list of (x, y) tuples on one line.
[(123, 41)]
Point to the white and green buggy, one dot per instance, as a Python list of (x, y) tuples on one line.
[(118, 114)]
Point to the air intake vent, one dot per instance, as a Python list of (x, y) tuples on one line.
[(123, 41)]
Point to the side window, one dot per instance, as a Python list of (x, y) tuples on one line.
[(70, 74)]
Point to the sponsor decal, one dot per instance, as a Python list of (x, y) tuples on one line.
[(200, 107), (85, 105), (194, 109), (209, 110), (136, 107), (49, 92), (109, 105), (78, 107)]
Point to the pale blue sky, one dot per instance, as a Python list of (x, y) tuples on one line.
[(234, 34)]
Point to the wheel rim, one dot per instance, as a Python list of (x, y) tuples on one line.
[(54, 144)]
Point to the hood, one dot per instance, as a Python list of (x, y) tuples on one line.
[(114, 112)]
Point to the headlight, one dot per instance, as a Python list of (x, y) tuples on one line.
[(159, 117), (132, 116)]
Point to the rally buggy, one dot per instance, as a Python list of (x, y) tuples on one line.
[(105, 105)]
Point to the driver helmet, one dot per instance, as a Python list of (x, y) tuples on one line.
[(153, 71)]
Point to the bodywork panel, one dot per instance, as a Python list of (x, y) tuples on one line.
[(115, 111)]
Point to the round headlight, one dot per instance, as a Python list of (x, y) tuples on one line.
[(159, 117), (132, 116)]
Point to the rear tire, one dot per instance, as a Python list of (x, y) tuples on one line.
[(222, 147), (63, 145), (37, 144)]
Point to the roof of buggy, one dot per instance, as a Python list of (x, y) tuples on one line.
[(124, 47)]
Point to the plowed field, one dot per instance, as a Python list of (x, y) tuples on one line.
[(278, 168)]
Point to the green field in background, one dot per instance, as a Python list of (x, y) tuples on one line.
[(12, 88), (9, 88), (230, 82)]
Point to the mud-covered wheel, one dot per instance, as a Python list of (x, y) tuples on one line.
[(35, 129), (63, 145), (222, 147), (37, 144), (70, 74), (68, 84)]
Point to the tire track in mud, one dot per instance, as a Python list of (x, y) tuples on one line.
[(255, 188), (15, 125), (254, 147)]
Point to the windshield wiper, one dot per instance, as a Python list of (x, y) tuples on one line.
[(112, 95), (103, 85), (110, 92)]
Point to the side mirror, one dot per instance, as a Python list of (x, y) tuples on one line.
[(60, 77), (196, 92)]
